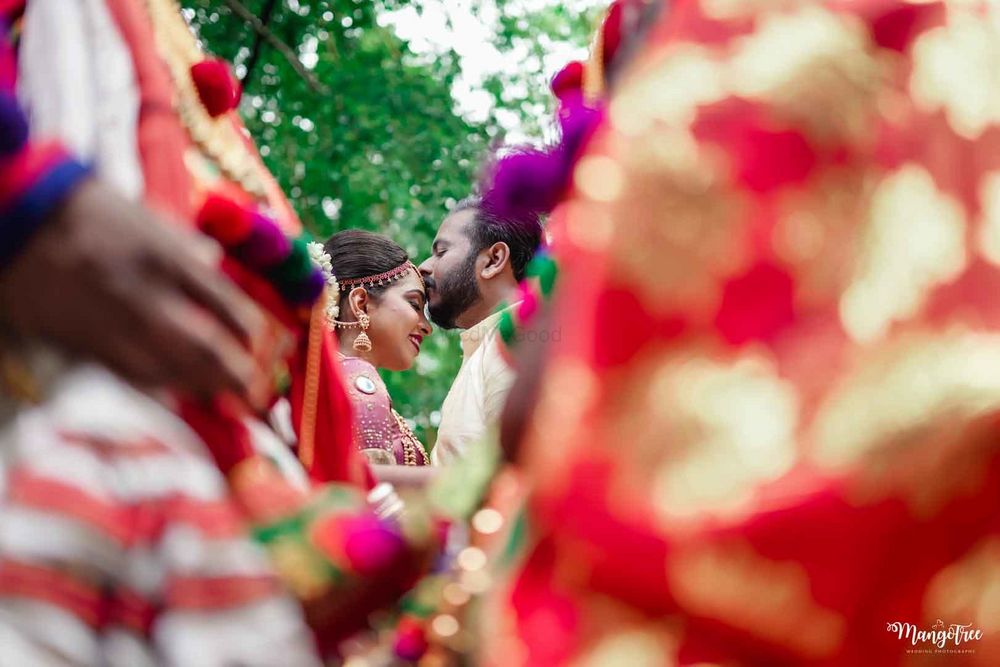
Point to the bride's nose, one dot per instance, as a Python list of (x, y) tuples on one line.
[(424, 327)]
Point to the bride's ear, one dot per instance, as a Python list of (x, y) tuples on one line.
[(358, 300)]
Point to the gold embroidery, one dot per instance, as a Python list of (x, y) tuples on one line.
[(814, 69), (633, 647), (218, 138), (904, 419), (668, 91), (765, 598), (968, 590), (617, 634), (722, 10), (724, 427), (817, 230), (914, 241), (599, 178), (679, 215), (989, 227), (587, 227), (954, 68), (567, 395), (678, 212)]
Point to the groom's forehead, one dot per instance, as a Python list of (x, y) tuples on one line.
[(456, 227)]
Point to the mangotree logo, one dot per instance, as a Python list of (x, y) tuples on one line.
[(939, 638)]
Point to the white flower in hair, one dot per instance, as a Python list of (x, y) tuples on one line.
[(321, 258)]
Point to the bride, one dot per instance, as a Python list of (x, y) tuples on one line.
[(376, 305)]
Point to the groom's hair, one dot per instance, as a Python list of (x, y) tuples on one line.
[(522, 236)]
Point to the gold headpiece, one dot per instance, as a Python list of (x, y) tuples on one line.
[(322, 259), (346, 284)]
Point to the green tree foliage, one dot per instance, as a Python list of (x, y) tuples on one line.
[(536, 34), (378, 145)]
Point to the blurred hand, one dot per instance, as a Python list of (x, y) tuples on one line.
[(109, 280)]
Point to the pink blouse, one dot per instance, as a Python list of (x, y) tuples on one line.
[(377, 426)]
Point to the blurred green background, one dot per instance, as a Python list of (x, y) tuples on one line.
[(364, 130)]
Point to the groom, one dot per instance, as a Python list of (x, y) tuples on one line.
[(476, 263)]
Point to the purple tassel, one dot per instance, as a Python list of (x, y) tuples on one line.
[(267, 245), (306, 291), (530, 182), (525, 183), (577, 121), (13, 126)]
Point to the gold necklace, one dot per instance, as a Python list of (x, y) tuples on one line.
[(411, 444)]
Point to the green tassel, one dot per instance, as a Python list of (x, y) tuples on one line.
[(294, 269), (516, 539), (545, 269), (547, 276), (508, 329)]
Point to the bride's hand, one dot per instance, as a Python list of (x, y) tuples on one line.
[(403, 477)]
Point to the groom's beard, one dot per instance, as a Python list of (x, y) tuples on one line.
[(456, 293)]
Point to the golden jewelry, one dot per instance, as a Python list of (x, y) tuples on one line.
[(363, 343), (411, 443), (382, 278), (218, 139)]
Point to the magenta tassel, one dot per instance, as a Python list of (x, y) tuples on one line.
[(267, 245)]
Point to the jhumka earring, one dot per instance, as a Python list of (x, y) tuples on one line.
[(363, 342)]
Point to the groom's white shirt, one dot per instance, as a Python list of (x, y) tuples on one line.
[(477, 395)]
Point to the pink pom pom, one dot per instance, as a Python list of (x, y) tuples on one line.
[(217, 88), (529, 302), (369, 545), (225, 220)]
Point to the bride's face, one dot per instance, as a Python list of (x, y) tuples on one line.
[(398, 324)]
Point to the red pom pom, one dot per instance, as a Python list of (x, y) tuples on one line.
[(611, 36), (568, 80), (216, 86), (225, 220)]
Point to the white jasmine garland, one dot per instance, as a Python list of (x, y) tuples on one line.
[(321, 258)]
